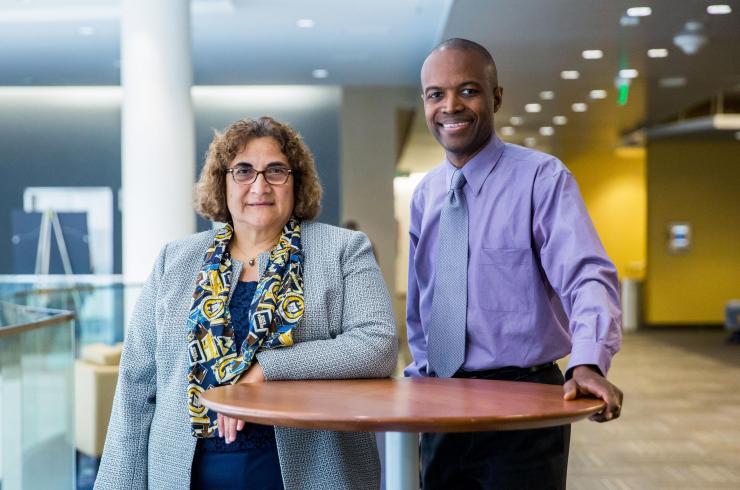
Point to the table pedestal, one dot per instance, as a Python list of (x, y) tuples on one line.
[(401, 460)]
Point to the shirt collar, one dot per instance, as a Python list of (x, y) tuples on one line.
[(477, 169)]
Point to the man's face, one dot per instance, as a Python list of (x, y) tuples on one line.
[(459, 101)]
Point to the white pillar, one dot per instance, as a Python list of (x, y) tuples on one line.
[(158, 133)]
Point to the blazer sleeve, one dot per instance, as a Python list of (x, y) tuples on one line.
[(367, 345), (124, 463)]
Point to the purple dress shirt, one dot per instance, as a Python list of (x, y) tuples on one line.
[(540, 285)]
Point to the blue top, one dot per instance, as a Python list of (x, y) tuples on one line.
[(254, 444)]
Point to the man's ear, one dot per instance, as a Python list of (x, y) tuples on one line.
[(498, 97)]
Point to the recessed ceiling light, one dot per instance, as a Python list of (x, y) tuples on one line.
[(547, 95), (530, 141), (305, 23), (516, 121), (532, 107), (507, 131), (627, 21), (579, 107), (569, 74), (547, 130), (320, 73), (672, 82), (719, 9), (560, 120), (628, 73), (597, 94), (657, 53), (592, 54), (639, 11), (85, 31)]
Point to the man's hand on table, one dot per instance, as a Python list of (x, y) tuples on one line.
[(229, 426), (587, 381)]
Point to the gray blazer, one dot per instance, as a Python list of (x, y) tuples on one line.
[(347, 331)]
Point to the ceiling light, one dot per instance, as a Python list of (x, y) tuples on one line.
[(690, 40), (597, 94), (593, 54), (639, 11), (320, 73), (719, 9), (530, 141), (507, 131), (516, 121), (672, 82), (547, 131), (85, 31), (627, 21), (657, 53), (628, 73), (547, 95), (305, 23), (569, 74), (532, 107), (560, 120), (579, 107)]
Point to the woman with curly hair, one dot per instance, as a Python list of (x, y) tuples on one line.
[(272, 295)]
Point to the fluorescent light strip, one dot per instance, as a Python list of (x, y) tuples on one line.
[(516, 121), (628, 73), (569, 74), (547, 95), (719, 9), (507, 131), (597, 94), (592, 54), (532, 107), (579, 107), (657, 53), (639, 11), (560, 120), (547, 130)]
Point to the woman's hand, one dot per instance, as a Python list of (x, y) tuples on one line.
[(229, 426)]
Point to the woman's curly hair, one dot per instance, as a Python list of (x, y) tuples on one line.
[(210, 191)]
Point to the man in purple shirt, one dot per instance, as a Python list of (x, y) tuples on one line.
[(539, 283)]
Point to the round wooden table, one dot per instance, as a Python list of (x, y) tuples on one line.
[(403, 407)]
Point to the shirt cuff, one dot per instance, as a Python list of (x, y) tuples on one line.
[(590, 353), (413, 370)]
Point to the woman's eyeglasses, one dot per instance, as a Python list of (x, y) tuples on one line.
[(247, 175)]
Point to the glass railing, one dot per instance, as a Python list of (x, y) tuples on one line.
[(40, 342), (36, 390), (99, 302)]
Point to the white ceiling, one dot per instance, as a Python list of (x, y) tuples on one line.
[(75, 42)]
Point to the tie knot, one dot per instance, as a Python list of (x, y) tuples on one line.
[(458, 180)]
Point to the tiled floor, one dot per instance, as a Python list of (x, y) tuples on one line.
[(680, 425)]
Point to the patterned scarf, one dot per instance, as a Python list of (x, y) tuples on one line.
[(276, 309)]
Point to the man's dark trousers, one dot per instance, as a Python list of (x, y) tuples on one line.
[(517, 460)]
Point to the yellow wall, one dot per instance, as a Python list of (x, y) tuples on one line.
[(613, 186), (699, 182)]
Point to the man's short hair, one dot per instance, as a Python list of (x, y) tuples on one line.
[(471, 46), (465, 45)]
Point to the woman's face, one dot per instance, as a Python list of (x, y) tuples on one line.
[(260, 205)]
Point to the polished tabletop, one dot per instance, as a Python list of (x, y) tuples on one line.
[(401, 404)]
